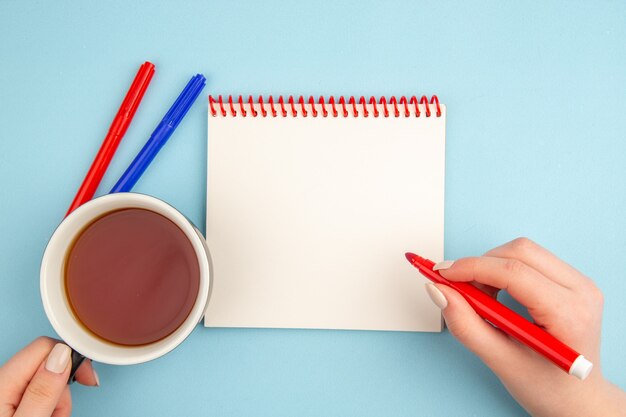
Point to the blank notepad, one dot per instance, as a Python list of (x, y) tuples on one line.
[(309, 217)]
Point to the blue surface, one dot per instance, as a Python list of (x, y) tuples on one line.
[(536, 146)]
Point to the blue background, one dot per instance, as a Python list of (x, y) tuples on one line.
[(536, 97)]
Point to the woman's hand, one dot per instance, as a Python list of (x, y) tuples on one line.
[(561, 300), (33, 383)]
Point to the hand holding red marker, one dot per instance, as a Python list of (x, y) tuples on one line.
[(509, 321), (566, 308)]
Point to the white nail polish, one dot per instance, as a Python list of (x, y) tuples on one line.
[(443, 265), (437, 296), (58, 359), (95, 375)]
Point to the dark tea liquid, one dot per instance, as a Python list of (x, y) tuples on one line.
[(132, 277)]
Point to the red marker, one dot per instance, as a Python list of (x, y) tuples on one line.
[(510, 322), (114, 136)]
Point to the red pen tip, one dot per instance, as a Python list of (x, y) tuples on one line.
[(411, 257), (417, 261)]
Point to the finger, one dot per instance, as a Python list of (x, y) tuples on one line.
[(45, 389), (541, 259), (17, 372), (64, 406), (525, 284), (86, 374), (489, 343)]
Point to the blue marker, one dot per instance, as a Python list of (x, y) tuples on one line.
[(161, 134)]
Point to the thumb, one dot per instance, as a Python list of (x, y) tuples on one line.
[(495, 348), (45, 388)]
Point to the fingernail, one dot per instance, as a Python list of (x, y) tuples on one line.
[(58, 359), (95, 375), (437, 296), (443, 265)]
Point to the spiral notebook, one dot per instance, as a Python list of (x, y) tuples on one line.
[(311, 205)]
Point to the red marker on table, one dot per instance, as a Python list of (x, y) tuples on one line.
[(510, 322), (114, 136)]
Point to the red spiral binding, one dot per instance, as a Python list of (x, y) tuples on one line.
[(351, 106), (424, 101), (251, 103), (373, 103), (342, 101), (383, 101), (435, 99), (244, 113), (406, 107), (271, 101), (232, 109), (263, 112), (312, 104), (331, 100), (294, 113), (222, 109), (281, 101), (393, 101), (417, 108), (362, 101), (211, 102), (301, 102), (352, 101)]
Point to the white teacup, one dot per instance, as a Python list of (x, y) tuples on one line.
[(55, 300)]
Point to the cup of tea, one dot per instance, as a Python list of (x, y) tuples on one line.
[(125, 278)]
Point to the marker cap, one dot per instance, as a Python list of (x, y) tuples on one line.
[(581, 367)]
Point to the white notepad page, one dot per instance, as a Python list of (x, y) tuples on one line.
[(309, 218)]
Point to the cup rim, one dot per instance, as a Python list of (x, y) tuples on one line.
[(73, 332)]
